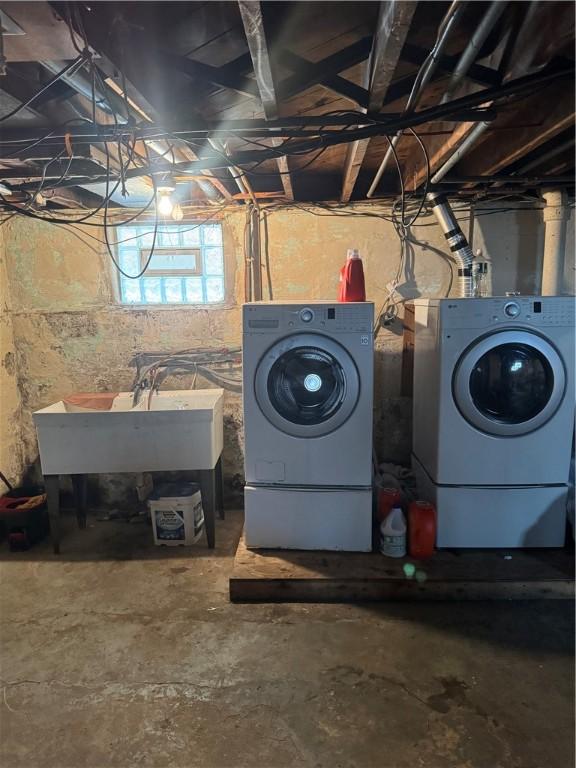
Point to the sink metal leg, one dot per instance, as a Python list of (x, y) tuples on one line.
[(208, 490), (52, 485), (80, 498), (220, 489)]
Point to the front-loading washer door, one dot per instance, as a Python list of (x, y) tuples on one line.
[(307, 385), (509, 383)]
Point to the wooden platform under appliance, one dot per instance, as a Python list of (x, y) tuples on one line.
[(327, 577)]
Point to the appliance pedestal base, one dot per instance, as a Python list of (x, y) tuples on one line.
[(495, 516), (308, 518)]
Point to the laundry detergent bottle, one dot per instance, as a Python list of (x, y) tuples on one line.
[(352, 287)]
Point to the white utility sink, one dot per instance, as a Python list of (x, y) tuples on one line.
[(182, 429)]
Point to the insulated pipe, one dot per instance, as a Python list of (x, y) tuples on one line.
[(422, 79), (555, 218), (472, 50), (456, 240)]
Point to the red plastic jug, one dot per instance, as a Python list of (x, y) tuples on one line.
[(387, 498), (421, 529), (352, 287)]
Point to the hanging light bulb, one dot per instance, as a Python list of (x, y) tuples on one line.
[(177, 212), (165, 204)]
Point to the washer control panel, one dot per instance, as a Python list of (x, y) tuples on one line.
[(538, 311), (326, 317)]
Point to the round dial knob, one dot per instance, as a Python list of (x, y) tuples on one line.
[(512, 309), (306, 315)]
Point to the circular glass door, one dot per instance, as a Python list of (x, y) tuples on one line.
[(509, 383), (307, 385)]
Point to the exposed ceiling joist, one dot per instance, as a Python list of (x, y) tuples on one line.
[(214, 75), (295, 63), (559, 116), (129, 83), (335, 83), (332, 65), (44, 34), (518, 136), (477, 73), (253, 20), (394, 19)]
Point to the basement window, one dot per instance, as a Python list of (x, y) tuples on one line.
[(187, 265)]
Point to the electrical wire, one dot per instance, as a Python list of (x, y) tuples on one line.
[(67, 70)]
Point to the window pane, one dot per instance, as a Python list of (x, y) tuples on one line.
[(152, 290), (130, 291), (194, 292), (191, 235), (127, 233), (212, 234), (168, 237), (146, 236), (213, 261), (173, 289), (187, 264), (130, 260), (214, 289), (170, 260)]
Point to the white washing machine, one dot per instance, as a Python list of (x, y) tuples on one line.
[(494, 417), (308, 394)]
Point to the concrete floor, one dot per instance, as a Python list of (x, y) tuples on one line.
[(122, 654)]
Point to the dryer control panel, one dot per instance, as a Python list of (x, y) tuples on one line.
[(538, 311), (277, 317)]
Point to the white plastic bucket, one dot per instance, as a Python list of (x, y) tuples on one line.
[(177, 521)]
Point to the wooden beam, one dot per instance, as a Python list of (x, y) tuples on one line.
[(513, 134), (253, 20), (335, 83), (394, 19), (477, 73), (439, 151), (557, 108), (332, 65), (138, 92), (206, 73), (295, 63), (314, 577)]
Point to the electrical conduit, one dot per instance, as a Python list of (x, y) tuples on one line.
[(422, 79)]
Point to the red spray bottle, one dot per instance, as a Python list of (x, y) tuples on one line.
[(352, 287)]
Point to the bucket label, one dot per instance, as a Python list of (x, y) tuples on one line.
[(170, 525), (198, 518)]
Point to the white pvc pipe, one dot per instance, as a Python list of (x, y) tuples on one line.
[(555, 219)]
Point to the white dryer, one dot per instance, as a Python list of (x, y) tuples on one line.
[(308, 393), (494, 417)]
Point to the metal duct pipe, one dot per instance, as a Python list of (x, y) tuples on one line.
[(472, 50), (422, 79), (465, 62), (555, 219), (456, 240), (468, 142)]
